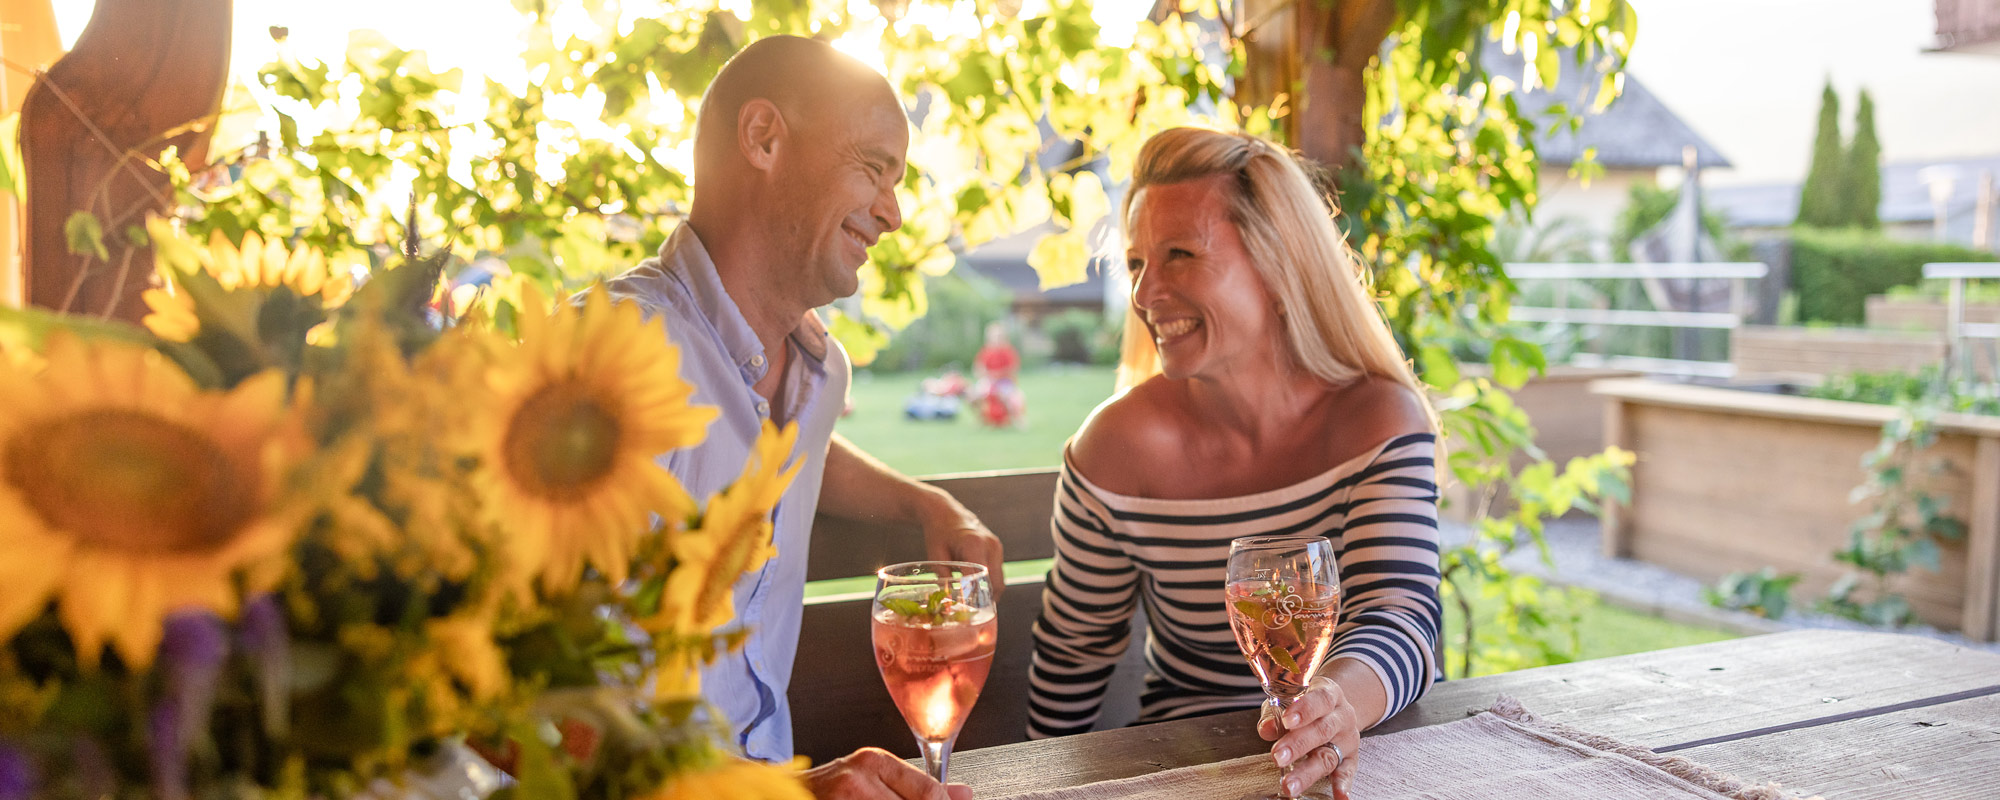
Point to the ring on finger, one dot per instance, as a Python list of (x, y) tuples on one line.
[(1338, 757)]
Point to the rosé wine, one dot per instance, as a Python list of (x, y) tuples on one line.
[(934, 665), (1284, 629)]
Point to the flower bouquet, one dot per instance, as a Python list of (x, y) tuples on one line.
[(303, 536)]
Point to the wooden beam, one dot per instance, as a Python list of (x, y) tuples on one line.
[(28, 42), (144, 76), (1611, 523), (1982, 545)]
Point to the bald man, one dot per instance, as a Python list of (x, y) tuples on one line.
[(798, 151)]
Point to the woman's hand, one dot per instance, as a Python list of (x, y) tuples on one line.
[(1322, 736)]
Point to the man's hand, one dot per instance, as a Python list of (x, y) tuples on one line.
[(871, 773), (966, 539), (1321, 738)]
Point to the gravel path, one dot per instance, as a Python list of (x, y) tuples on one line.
[(1573, 544)]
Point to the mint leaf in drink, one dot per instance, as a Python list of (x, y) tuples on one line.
[(1283, 659), (904, 607), (935, 602), (1248, 609)]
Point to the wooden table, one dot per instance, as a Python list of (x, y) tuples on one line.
[(1843, 714)]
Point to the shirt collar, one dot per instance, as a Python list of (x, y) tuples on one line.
[(685, 255)]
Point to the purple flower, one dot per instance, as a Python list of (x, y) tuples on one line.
[(170, 773), (192, 652), (269, 644), (17, 774)]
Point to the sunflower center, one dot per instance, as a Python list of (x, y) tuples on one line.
[(562, 441), (131, 481)]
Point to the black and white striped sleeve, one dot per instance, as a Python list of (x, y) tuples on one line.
[(1086, 619), (1389, 572)]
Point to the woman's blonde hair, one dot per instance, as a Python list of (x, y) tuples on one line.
[(1334, 329)]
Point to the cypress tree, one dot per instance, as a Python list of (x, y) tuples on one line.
[(1864, 169), (1821, 202)]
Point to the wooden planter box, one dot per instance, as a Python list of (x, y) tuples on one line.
[(1730, 480), (1773, 350), (1920, 315)]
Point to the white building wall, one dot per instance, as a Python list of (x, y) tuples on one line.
[(1596, 204)]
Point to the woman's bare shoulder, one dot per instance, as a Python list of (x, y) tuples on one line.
[(1126, 433), (1377, 409)]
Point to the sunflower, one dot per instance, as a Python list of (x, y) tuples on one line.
[(245, 276), (580, 412), (734, 777), (733, 537), (127, 494)]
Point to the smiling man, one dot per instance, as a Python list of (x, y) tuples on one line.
[(798, 151)]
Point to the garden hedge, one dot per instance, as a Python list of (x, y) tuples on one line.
[(1834, 271)]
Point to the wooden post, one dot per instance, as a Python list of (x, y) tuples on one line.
[(144, 76), (28, 42), (1611, 522), (1982, 545), (1316, 54)]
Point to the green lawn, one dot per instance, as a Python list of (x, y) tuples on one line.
[(1059, 397)]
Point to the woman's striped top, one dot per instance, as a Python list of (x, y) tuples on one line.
[(1115, 551)]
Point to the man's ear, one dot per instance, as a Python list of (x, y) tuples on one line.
[(760, 129)]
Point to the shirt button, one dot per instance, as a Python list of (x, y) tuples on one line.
[(763, 409), (757, 360)]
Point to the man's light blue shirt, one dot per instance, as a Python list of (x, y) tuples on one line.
[(721, 356)]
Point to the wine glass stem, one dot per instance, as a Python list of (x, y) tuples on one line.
[(936, 754), (1278, 718)]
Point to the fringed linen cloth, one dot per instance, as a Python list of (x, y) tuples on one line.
[(1504, 752)]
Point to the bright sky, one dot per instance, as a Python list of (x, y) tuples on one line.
[(1745, 73)]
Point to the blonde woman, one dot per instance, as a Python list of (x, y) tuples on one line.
[(1266, 396)]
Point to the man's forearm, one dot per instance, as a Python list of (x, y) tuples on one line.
[(857, 486)]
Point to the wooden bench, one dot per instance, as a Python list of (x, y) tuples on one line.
[(838, 701)]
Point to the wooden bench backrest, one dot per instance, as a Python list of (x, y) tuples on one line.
[(1014, 504)]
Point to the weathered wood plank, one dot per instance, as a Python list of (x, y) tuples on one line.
[(1650, 699), (1942, 752)]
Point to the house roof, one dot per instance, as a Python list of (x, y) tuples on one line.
[(1636, 130), (1005, 261), (1906, 193)]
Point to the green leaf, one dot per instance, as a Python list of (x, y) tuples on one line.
[(538, 773), (1250, 611), (904, 607), (1440, 370), (30, 328), (85, 235), (862, 340), (12, 179), (1282, 658)]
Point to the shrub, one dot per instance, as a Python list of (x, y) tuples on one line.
[(1834, 272), (952, 329), (1082, 336), (1900, 388)]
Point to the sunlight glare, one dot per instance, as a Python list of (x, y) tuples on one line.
[(863, 40), (1118, 20)]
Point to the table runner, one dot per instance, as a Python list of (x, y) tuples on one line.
[(1504, 752)]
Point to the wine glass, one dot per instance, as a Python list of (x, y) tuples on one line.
[(1283, 598), (934, 630)]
